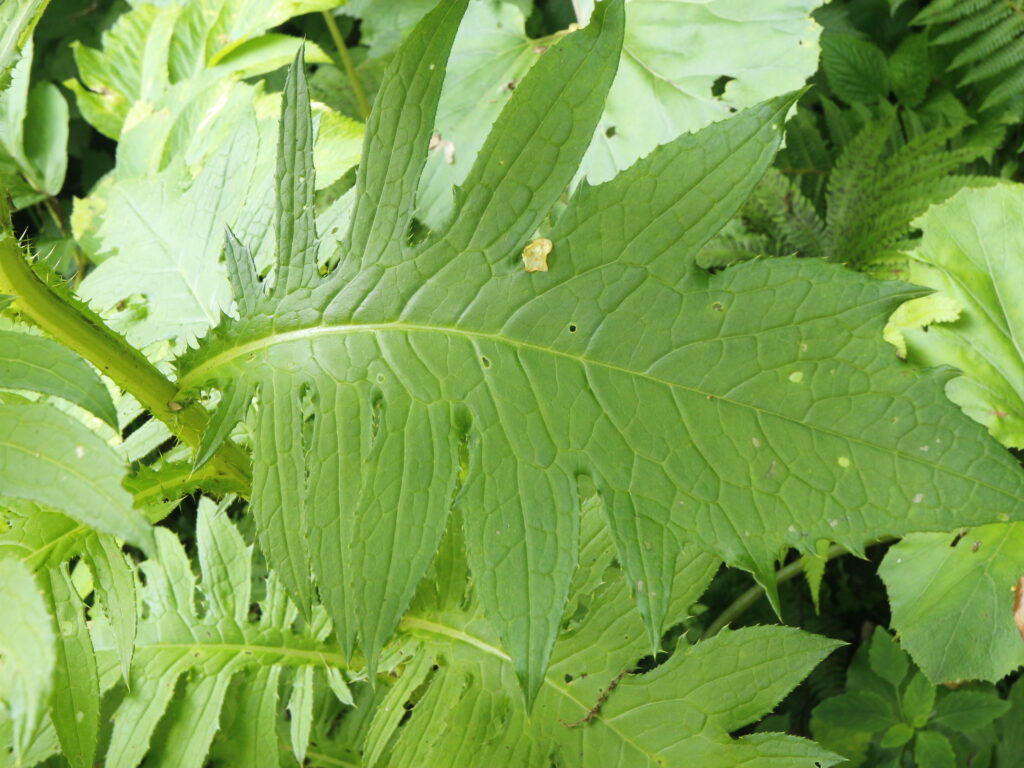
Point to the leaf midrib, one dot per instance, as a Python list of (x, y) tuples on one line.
[(203, 372)]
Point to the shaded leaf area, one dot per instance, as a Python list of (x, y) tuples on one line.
[(890, 711), (417, 377)]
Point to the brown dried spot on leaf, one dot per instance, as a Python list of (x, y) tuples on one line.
[(535, 255), (1018, 606)]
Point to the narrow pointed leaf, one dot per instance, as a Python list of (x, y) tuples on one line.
[(49, 457), (231, 410), (27, 653), (116, 594), (40, 365), (75, 705), (300, 708), (397, 134), (296, 231)]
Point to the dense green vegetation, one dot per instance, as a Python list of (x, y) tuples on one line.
[(511, 383)]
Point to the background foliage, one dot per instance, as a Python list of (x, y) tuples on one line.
[(804, 412)]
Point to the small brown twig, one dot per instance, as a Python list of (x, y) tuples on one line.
[(600, 701)]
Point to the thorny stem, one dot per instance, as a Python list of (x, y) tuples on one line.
[(109, 352), (346, 59), (756, 592), (53, 209)]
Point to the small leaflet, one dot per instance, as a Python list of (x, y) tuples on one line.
[(535, 255)]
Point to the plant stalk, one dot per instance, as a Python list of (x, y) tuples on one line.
[(110, 353), (756, 592), (346, 60)]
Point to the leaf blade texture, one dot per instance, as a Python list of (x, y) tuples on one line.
[(759, 416)]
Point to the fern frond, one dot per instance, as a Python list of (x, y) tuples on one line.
[(990, 34), (188, 651), (874, 192), (779, 209)]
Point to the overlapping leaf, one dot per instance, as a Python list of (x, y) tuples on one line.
[(683, 66), (33, 136), (18, 18), (681, 713), (27, 653), (743, 412), (167, 84), (971, 254), (154, 46), (208, 643)]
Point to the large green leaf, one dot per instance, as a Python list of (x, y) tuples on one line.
[(591, 710), (27, 654), (674, 58), (745, 411), (971, 254)]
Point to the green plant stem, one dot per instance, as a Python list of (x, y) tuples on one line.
[(110, 353), (346, 59), (756, 592)]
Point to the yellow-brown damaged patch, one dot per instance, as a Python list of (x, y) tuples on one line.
[(535, 255), (1018, 606)]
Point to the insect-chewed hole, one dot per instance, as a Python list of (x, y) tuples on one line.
[(718, 306), (485, 361), (718, 87), (610, 131), (572, 328)]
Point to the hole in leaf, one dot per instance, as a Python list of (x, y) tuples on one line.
[(610, 132), (485, 361), (572, 328), (718, 87)]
